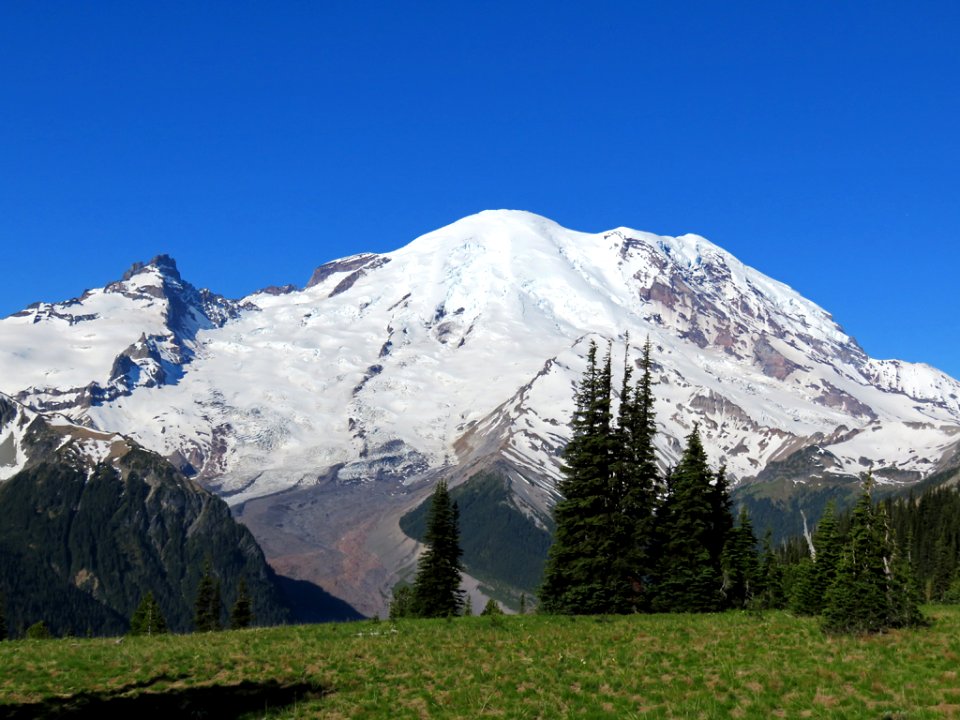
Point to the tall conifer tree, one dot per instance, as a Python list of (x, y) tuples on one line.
[(580, 576), (872, 590), (436, 589), (689, 532), (771, 576), (636, 479), (741, 570), (818, 575), (208, 606), (241, 614)]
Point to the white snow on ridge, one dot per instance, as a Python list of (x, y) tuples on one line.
[(480, 327), (71, 344)]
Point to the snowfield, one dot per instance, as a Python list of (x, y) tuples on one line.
[(464, 346)]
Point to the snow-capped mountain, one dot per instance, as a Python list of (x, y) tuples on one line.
[(459, 351), (136, 332)]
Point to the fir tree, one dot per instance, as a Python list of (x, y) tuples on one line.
[(148, 619), (241, 614), (872, 590), (689, 533), (216, 606), (208, 606), (523, 604), (771, 577), (741, 571), (402, 604), (580, 575), (491, 608), (39, 631), (636, 479), (436, 589), (721, 515), (818, 575)]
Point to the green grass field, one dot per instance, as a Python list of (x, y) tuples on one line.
[(733, 665)]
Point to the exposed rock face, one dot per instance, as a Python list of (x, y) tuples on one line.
[(458, 353), (160, 299), (346, 265)]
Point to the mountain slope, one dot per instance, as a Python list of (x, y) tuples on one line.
[(92, 522), (456, 354)]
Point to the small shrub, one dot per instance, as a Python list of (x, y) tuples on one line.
[(39, 631), (492, 608)]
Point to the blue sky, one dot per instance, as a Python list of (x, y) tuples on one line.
[(816, 141)]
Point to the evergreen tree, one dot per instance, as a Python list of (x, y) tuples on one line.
[(216, 606), (580, 574), (491, 608), (39, 631), (872, 590), (523, 604), (208, 606), (402, 604), (952, 595), (771, 577), (903, 592), (689, 534), (241, 614), (148, 619), (436, 589), (741, 570), (721, 515), (636, 479), (818, 575)]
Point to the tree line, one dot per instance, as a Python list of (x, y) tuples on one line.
[(632, 539), (148, 618)]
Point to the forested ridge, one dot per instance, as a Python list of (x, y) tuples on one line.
[(81, 549)]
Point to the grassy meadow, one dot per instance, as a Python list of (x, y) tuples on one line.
[(735, 665)]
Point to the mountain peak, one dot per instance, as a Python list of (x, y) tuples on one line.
[(459, 352), (163, 262)]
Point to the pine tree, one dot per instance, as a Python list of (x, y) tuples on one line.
[(689, 532), (872, 590), (436, 589), (580, 575), (241, 614), (148, 619), (741, 570), (208, 606)]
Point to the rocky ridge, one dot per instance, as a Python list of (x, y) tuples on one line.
[(457, 353)]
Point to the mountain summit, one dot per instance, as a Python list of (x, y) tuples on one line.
[(458, 353)]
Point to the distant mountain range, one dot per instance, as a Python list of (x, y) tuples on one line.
[(322, 414)]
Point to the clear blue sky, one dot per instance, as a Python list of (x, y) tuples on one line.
[(817, 141)]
